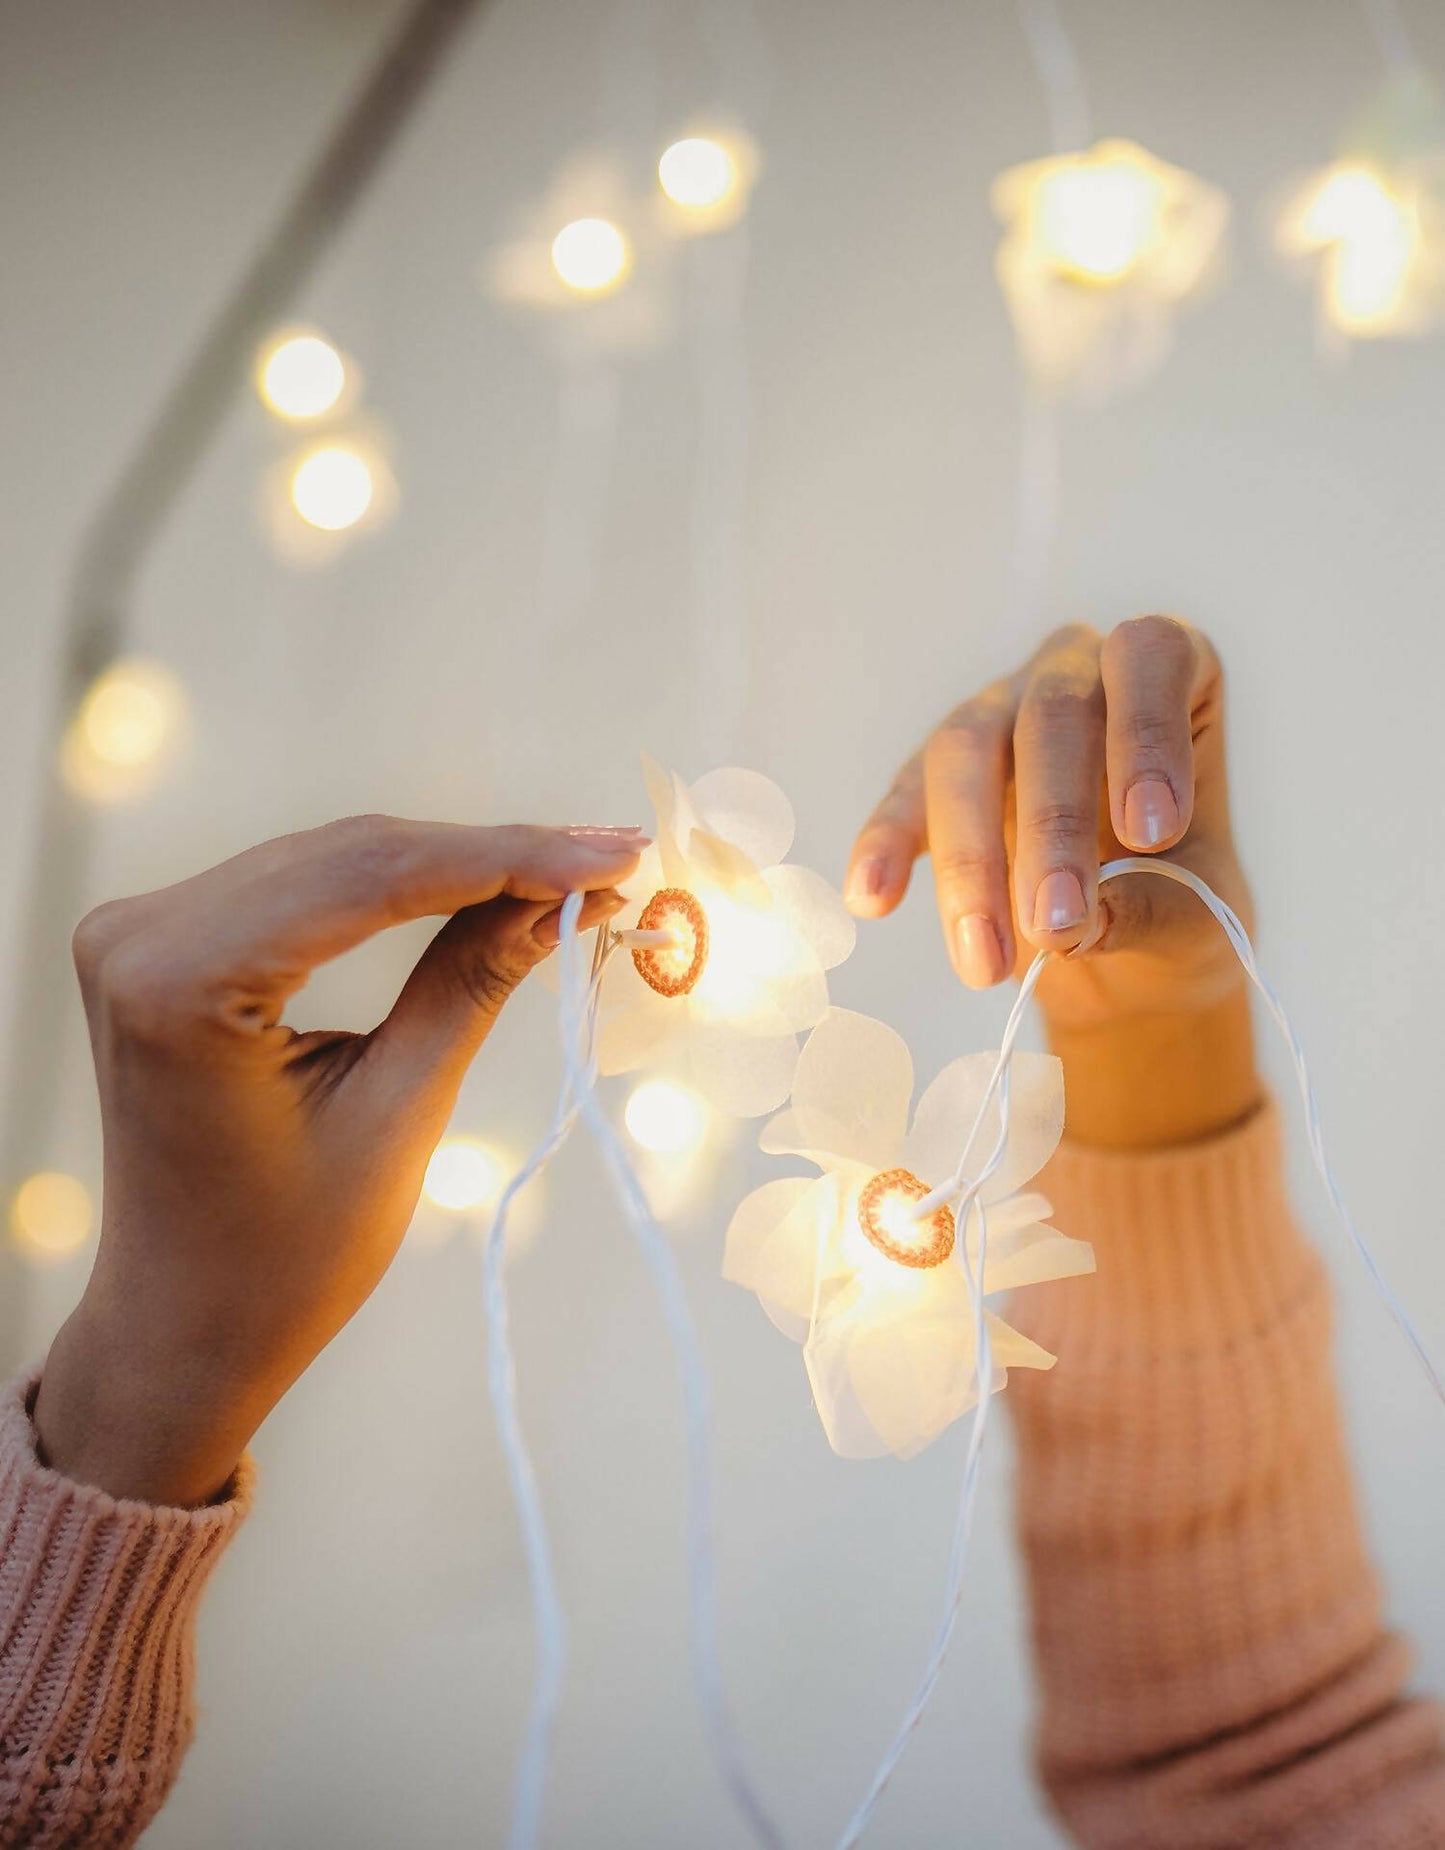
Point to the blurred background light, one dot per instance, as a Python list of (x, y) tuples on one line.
[(51, 1215), (301, 376), (1370, 234), (127, 727), (332, 487), (696, 172), (590, 255), (665, 1117), (1097, 218), (464, 1175)]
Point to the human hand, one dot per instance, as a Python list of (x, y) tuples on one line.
[(258, 1181), (1099, 746)]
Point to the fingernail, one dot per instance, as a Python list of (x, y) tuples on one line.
[(980, 955), (1150, 812), (1059, 903), (867, 880), (601, 831)]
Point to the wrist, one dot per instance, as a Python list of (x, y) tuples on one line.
[(152, 1421), (1167, 1076)]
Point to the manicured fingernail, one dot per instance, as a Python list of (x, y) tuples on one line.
[(867, 880), (601, 831), (1150, 812), (980, 955), (1059, 903)]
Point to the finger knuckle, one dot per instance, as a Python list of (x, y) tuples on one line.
[(139, 989), (1061, 825), (1150, 735), (97, 935), (1154, 633), (968, 864), (1058, 701), (488, 976)]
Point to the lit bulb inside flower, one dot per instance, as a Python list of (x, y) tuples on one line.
[(665, 1117), (1375, 235), (463, 1175), (51, 1215), (331, 487), (673, 968), (590, 255), (886, 1213), (696, 172), (1097, 218), (302, 377)]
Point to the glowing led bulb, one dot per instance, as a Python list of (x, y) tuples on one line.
[(696, 172), (51, 1214), (463, 1175), (1098, 218), (127, 715), (302, 377), (665, 1117), (590, 255), (332, 488), (1374, 237), (884, 1214)]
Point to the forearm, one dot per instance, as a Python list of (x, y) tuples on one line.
[(98, 1602), (1211, 1661)]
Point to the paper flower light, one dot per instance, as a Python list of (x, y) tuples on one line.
[(878, 1298), (1379, 235), (727, 945), (1099, 249)]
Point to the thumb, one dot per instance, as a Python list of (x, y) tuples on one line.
[(466, 975), (1140, 912)]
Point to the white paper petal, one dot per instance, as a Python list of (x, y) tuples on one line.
[(1032, 1256), (761, 973), (646, 1030), (851, 1090), (748, 810), (740, 1075), (1012, 1349), (713, 861), (891, 1372), (946, 1113), (779, 1237), (673, 810), (816, 910)]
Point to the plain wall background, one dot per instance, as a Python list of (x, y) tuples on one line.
[(366, 1651)]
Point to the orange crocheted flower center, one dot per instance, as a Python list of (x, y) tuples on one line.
[(883, 1214), (672, 969)]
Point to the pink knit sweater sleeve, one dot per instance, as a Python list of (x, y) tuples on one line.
[(1213, 1670), (98, 1603)]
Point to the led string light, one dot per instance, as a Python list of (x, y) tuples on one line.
[(962, 1192)]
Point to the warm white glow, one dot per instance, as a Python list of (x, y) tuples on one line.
[(463, 1175), (51, 1214), (1097, 218), (696, 172), (1373, 237), (127, 715), (665, 1117), (590, 255), (302, 377), (332, 488)]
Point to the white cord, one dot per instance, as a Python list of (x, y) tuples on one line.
[(531, 1776), (658, 1255), (1387, 22), (1059, 74), (963, 1192)]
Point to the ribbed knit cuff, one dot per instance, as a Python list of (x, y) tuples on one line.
[(1196, 1246), (98, 1597)]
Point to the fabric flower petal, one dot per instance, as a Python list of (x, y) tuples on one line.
[(777, 1240), (852, 1087), (947, 1111), (1032, 1256), (748, 810), (741, 1075), (673, 810), (815, 910), (644, 1030)]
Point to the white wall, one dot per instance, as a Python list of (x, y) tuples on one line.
[(365, 1653)]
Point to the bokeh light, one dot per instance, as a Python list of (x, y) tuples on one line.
[(665, 1117), (125, 730), (1099, 216), (590, 255), (332, 487), (464, 1175), (697, 172), (301, 377), (52, 1215), (1370, 234)]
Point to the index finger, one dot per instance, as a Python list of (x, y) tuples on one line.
[(268, 917)]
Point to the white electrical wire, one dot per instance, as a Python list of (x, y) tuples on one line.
[(531, 1776), (576, 1002), (963, 1192), (1059, 73)]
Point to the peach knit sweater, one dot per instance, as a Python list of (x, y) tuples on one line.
[(1211, 1661)]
